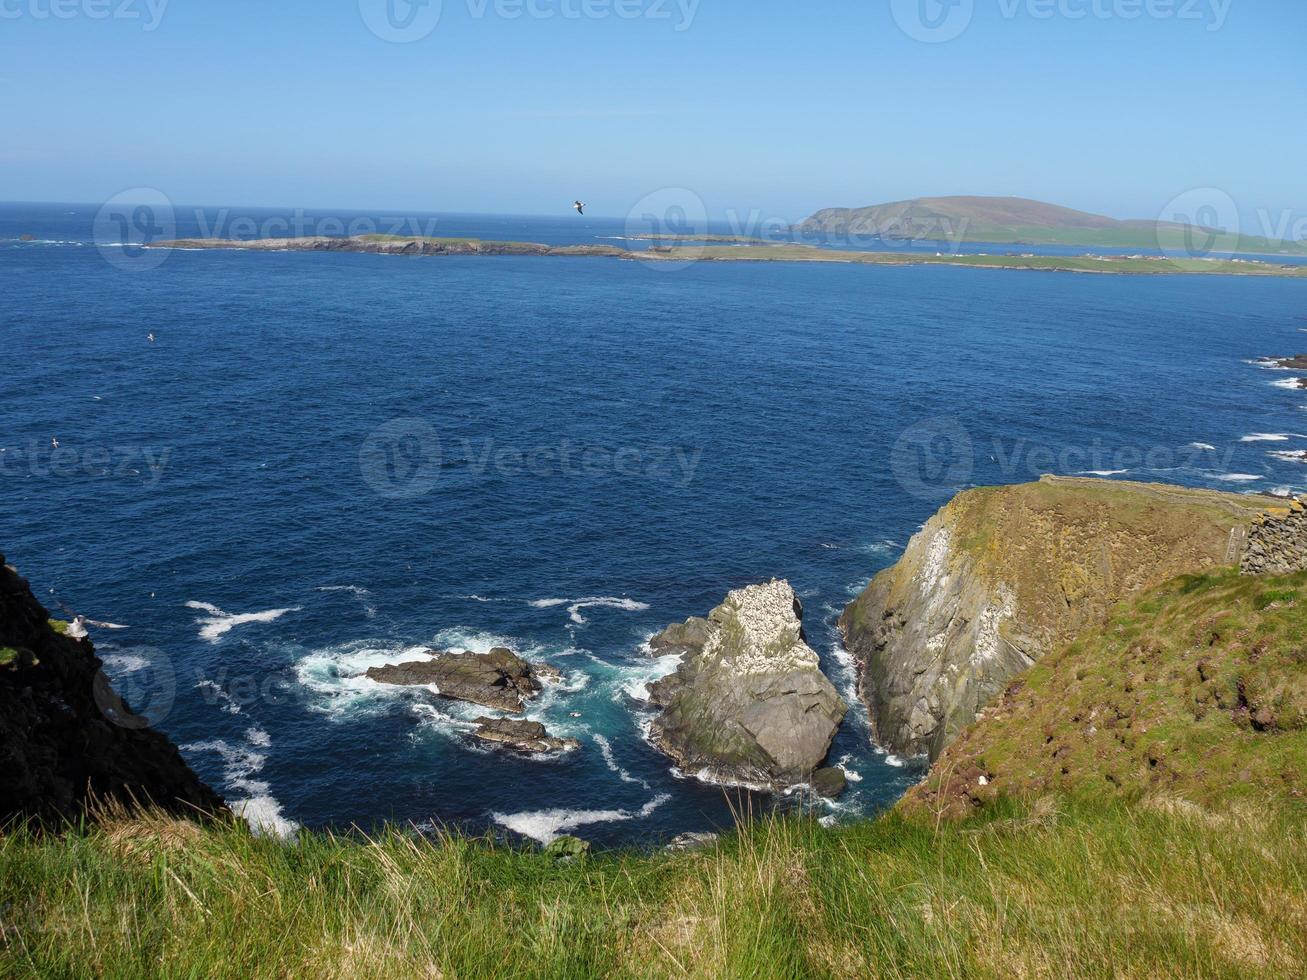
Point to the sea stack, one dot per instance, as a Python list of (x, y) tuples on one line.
[(749, 704)]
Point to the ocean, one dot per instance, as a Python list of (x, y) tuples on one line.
[(324, 461)]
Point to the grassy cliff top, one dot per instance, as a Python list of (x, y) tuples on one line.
[(1197, 690), (1057, 890)]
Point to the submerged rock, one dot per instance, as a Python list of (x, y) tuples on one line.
[(830, 782), (749, 704), (524, 736), (499, 679), (1002, 575)]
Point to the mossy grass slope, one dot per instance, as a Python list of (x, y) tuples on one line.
[(1197, 690)]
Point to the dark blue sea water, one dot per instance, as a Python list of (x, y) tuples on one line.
[(366, 455)]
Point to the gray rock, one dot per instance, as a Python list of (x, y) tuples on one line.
[(499, 679), (749, 704), (691, 842), (524, 736), (829, 783)]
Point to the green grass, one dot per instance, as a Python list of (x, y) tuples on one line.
[(1104, 265), (59, 626), (1197, 689), (1159, 890), (8, 655)]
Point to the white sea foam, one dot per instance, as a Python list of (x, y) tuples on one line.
[(846, 765), (121, 664), (1205, 446), (546, 826), (1288, 383), (215, 693), (574, 606), (337, 676), (1290, 455), (240, 765), (217, 623), (606, 750), (1266, 437), (1102, 472), (1237, 477), (895, 761), (636, 678)]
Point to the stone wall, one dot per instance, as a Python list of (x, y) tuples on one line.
[(1277, 543)]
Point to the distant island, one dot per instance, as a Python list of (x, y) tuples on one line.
[(1015, 220), (423, 246)]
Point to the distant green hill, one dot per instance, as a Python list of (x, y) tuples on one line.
[(1014, 220)]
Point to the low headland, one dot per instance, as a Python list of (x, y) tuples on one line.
[(759, 252)]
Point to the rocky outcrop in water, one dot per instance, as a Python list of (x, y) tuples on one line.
[(1002, 575), (749, 703), (499, 679), (66, 737), (524, 736)]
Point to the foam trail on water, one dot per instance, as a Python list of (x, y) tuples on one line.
[(547, 826), (574, 606), (606, 750), (241, 763), (218, 623)]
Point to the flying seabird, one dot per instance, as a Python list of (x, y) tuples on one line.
[(54, 443), (580, 208), (150, 338), (77, 629)]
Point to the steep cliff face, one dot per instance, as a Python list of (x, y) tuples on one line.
[(65, 735), (749, 703), (1002, 575)]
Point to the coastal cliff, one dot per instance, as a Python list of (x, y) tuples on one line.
[(66, 738), (749, 703), (1001, 576), (1193, 692)]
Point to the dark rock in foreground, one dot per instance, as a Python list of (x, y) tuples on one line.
[(524, 736), (66, 738), (499, 679), (749, 704)]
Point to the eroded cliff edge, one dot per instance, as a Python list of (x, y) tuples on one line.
[(65, 736), (1003, 575)]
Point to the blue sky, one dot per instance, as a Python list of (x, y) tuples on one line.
[(518, 106)]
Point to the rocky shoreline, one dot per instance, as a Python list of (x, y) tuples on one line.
[(772, 252)]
